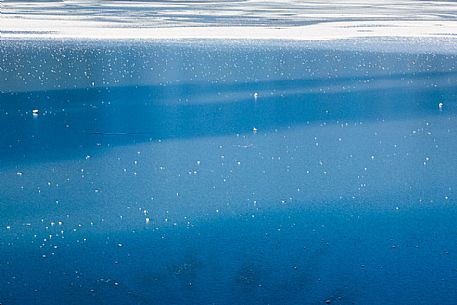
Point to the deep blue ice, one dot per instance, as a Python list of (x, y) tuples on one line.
[(226, 173)]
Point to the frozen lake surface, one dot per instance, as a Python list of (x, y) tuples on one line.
[(219, 19), (226, 173), (276, 153)]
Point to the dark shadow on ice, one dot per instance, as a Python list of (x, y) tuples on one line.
[(236, 260), (75, 122), (317, 255)]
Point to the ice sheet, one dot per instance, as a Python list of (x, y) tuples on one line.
[(292, 20)]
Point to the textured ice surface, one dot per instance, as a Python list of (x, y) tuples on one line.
[(246, 19)]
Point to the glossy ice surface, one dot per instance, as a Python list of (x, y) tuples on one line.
[(227, 173)]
